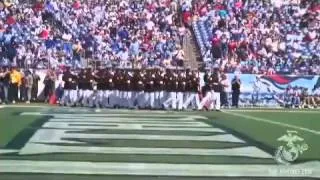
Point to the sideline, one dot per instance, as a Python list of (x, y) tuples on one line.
[(309, 111), (273, 122)]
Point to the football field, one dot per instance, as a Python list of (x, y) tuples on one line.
[(53, 143)]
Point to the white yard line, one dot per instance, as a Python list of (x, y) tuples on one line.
[(73, 126), (310, 169), (57, 136), (273, 122), (248, 151), (274, 110), (8, 151), (115, 114)]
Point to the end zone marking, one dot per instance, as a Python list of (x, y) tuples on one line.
[(248, 151), (273, 122), (108, 115), (156, 169), (8, 151)]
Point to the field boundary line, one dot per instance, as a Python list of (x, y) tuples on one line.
[(273, 110), (309, 169), (273, 122)]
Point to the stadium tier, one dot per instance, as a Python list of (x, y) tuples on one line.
[(58, 33), (258, 37)]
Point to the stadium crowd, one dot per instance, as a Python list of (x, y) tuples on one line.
[(259, 37), (56, 33), (245, 36)]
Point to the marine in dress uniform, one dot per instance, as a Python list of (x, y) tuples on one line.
[(70, 88), (192, 89), (159, 88), (140, 88), (117, 79), (128, 86), (182, 83), (101, 87), (109, 92), (150, 89), (88, 88), (81, 84), (172, 87)]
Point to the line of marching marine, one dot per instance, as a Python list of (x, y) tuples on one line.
[(139, 88)]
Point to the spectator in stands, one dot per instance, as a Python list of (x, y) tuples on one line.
[(56, 33), (264, 38)]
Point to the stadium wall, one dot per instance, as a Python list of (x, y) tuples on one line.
[(260, 90)]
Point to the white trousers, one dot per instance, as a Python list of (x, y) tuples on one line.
[(216, 100), (70, 97), (129, 99), (151, 100), (193, 99), (87, 94), (80, 95), (99, 98), (140, 99), (113, 98), (207, 99), (172, 100), (159, 99), (106, 98), (213, 98), (180, 100)]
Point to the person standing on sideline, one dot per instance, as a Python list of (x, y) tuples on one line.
[(6, 84), (34, 90), (224, 87), (216, 90), (15, 77), (236, 84), (256, 91), (22, 87), (67, 78), (28, 85), (47, 86), (2, 74)]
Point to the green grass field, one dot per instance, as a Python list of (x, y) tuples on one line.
[(42, 142)]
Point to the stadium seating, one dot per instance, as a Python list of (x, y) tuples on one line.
[(282, 44)]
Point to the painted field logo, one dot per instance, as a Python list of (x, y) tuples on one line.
[(294, 147)]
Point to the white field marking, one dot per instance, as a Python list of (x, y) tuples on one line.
[(57, 136), (123, 119), (83, 109), (274, 122), (273, 110), (71, 126), (312, 169), (162, 125), (249, 151), (101, 121), (7, 151), (106, 115)]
